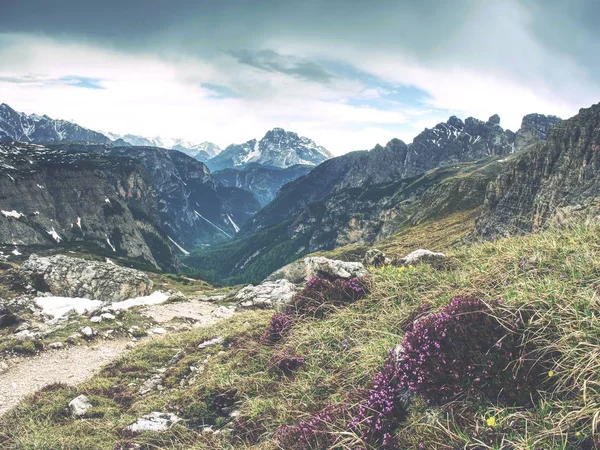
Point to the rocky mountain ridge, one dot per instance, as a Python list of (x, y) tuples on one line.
[(449, 142), (17, 126)]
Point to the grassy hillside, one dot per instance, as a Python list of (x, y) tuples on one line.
[(321, 373)]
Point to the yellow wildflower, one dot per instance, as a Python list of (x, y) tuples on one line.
[(491, 421), (551, 374), (410, 266)]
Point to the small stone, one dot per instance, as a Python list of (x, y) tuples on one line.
[(79, 406), (210, 342), (87, 332), (107, 316), (56, 345), (375, 258), (96, 319), (158, 331), (155, 421)]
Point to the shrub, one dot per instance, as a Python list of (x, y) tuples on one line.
[(308, 434), (465, 351), (287, 363), (320, 295), (386, 406), (278, 327)]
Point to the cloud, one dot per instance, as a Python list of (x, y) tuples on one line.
[(343, 72), (271, 61)]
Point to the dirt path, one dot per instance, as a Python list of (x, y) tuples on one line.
[(71, 366), (74, 365)]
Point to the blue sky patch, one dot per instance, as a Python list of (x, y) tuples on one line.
[(83, 82)]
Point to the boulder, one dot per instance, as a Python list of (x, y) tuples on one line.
[(301, 271), (155, 421), (269, 294), (375, 258), (79, 406), (65, 276), (421, 256), (7, 317)]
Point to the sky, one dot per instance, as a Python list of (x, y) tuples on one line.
[(348, 74)]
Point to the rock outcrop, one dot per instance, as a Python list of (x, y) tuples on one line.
[(421, 256), (155, 421), (7, 317), (534, 127), (375, 258), (303, 270), (269, 294), (73, 277), (560, 176)]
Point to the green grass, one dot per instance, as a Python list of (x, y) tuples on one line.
[(554, 274)]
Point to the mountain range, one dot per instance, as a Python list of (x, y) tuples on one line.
[(363, 197)]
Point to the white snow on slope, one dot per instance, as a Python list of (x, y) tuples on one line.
[(183, 250), (220, 229), (235, 227), (54, 234), (12, 213)]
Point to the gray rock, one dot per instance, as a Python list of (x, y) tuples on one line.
[(155, 421), (421, 256), (96, 319), (56, 345), (269, 294), (79, 406), (87, 332), (301, 271), (151, 384), (73, 277), (6, 316), (211, 342), (375, 258), (107, 316)]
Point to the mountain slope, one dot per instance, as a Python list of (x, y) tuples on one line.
[(557, 179), (142, 203), (263, 182), (450, 142), (16, 126), (278, 148)]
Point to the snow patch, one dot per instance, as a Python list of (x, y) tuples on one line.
[(54, 234), (152, 299), (220, 229), (110, 245), (183, 250), (235, 227), (59, 306), (13, 213)]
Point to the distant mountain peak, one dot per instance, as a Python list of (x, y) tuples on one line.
[(278, 148)]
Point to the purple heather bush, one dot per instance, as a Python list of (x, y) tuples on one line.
[(278, 328), (385, 407), (308, 434), (287, 363), (320, 295), (465, 351)]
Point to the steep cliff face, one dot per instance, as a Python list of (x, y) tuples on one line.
[(451, 142), (534, 127), (264, 182), (142, 203), (548, 180)]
